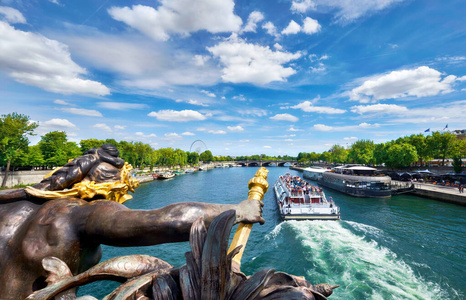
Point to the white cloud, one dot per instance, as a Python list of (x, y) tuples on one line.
[(187, 133), (200, 60), (361, 126), (143, 64), (292, 129), (322, 127), (11, 15), (82, 112), (179, 17), (271, 29), (57, 124), (193, 102), (252, 63), (119, 127), (292, 28), (210, 94), (278, 46), (177, 116), (284, 117), (345, 11), (239, 98), (244, 141), (302, 6), (267, 147), (235, 128), (311, 26), (61, 102), (307, 106), (257, 112), (102, 126), (254, 18), (143, 135), (352, 138), (419, 82), (441, 113), (217, 131), (33, 59), (121, 106), (172, 136), (379, 108)]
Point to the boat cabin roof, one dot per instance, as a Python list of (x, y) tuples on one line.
[(316, 169)]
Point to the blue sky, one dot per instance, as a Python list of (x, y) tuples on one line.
[(246, 77)]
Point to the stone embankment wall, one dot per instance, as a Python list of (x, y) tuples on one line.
[(442, 193), (23, 177)]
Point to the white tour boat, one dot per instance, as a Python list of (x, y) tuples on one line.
[(299, 200)]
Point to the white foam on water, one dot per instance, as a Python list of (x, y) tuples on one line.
[(362, 268)]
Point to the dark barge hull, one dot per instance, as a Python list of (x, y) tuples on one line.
[(357, 192)]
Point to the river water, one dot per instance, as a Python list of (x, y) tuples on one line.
[(405, 247)]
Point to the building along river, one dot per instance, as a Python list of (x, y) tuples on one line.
[(404, 247)]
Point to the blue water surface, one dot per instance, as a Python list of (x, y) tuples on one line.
[(404, 247)]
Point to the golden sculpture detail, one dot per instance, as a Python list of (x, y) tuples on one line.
[(258, 186), (114, 191)]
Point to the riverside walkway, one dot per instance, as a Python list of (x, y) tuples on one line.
[(439, 192)]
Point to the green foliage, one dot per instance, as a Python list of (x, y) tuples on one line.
[(193, 158), (35, 157), (14, 131), (206, 156), (57, 150), (338, 154), (362, 152), (91, 143), (325, 156), (442, 145), (457, 164), (401, 155), (423, 148)]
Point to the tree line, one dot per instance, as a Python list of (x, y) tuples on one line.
[(54, 149), (400, 153)]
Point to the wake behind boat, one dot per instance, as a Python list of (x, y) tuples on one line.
[(299, 200)]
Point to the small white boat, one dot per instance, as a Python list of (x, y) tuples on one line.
[(299, 200), (165, 175), (189, 171)]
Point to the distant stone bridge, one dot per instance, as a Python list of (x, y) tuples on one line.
[(264, 163)]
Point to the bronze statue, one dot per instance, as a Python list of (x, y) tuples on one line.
[(50, 232)]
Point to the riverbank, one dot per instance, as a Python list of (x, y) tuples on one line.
[(439, 192)]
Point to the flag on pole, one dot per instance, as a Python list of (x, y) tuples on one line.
[(427, 130), (446, 126)]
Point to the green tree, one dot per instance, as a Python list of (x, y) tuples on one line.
[(35, 157), (14, 131), (442, 145), (401, 155), (57, 150), (423, 149), (457, 164), (90, 143), (206, 156), (127, 152), (381, 153), (325, 156), (338, 154), (362, 152)]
